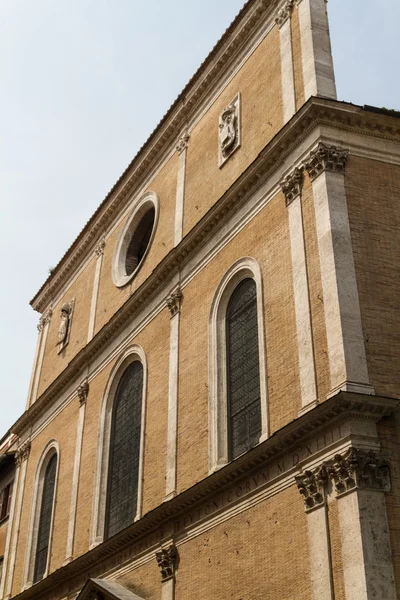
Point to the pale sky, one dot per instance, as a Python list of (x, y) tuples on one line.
[(82, 85)]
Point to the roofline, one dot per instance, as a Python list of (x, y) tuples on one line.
[(179, 110)]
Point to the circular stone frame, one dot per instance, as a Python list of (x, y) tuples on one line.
[(146, 202)]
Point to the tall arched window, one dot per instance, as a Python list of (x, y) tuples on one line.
[(46, 512), (124, 454), (238, 393), (243, 369)]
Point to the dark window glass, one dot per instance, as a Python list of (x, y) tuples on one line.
[(123, 469), (46, 510), (5, 501), (139, 242), (243, 369)]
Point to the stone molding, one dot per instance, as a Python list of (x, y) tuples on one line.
[(183, 143), (362, 469), (44, 319), (316, 112), (284, 13), (22, 453), (174, 302), (292, 185), (326, 158), (167, 560), (83, 391), (311, 485), (99, 250)]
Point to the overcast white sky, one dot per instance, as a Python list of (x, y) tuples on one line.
[(82, 85)]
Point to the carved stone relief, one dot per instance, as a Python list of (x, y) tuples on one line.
[(311, 485), (229, 130), (22, 453), (326, 158), (83, 391), (292, 185), (44, 319), (359, 469), (174, 302), (64, 329), (284, 13), (167, 559)]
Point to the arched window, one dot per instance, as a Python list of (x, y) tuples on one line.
[(46, 512), (124, 454), (38, 553), (243, 369), (238, 395)]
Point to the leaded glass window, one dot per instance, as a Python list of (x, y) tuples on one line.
[(243, 369), (46, 511), (123, 471)]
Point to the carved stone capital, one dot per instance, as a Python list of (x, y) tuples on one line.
[(83, 391), (284, 13), (99, 250), (311, 486), (360, 469), (292, 185), (44, 319), (167, 560), (326, 158), (174, 302), (183, 143), (22, 453)]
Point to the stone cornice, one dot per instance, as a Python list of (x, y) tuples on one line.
[(165, 136), (324, 417), (314, 113)]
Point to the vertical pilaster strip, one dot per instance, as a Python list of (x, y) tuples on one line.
[(311, 485), (361, 480), (292, 188), (43, 328), (10, 528), (174, 304), (167, 559), (99, 251), (283, 21), (34, 367), (346, 350), (318, 73), (83, 391), (21, 458), (180, 188)]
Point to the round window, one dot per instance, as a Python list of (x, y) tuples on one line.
[(135, 239)]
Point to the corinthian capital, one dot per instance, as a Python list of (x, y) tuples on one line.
[(284, 13), (183, 143), (174, 302), (22, 453), (326, 158), (44, 319), (311, 486), (359, 469), (292, 185), (167, 560)]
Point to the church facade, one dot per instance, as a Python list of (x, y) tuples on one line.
[(214, 403)]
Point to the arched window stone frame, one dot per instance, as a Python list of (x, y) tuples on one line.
[(218, 423), (51, 448), (132, 354)]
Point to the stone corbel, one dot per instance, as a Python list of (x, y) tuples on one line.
[(167, 560), (83, 391), (311, 485), (326, 158), (284, 13), (174, 302), (292, 185), (44, 319), (22, 453), (359, 469)]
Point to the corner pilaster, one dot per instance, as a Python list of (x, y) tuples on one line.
[(181, 148), (292, 187), (283, 20), (346, 351)]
